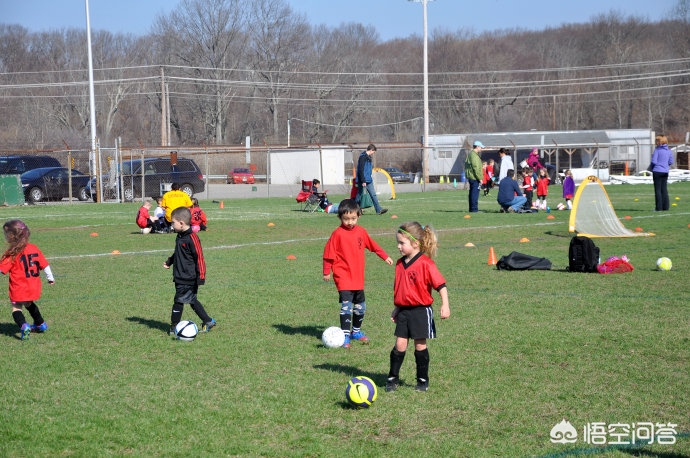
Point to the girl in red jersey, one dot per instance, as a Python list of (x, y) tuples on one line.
[(415, 275), (24, 262), (198, 217), (344, 255), (542, 188)]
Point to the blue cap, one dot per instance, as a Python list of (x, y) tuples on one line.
[(479, 144)]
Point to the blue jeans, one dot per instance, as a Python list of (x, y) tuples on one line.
[(516, 204), (474, 195), (372, 193)]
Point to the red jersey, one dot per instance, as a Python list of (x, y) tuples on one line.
[(198, 216), (542, 186), (344, 255), (25, 274), (528, 182), (143, 217), (414, 281)]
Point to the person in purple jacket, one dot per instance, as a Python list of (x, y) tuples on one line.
[(568, 189), (662, 159)]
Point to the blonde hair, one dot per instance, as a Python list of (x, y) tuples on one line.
[(661, 140), (424, 235)]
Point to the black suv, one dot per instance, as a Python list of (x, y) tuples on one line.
[(159, 174), (16, 165)]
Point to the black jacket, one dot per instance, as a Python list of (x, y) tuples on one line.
[(187, 261)]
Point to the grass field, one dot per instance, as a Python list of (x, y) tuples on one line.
[(521, 351)]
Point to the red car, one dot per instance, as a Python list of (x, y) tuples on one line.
[(240, 175)]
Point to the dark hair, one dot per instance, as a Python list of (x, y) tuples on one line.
[(315, 181), (182, 214), (371, 147), (349, 206), (175, 186), (510, 173), (502, 151)]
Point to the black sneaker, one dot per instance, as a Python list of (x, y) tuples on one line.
[(392, 384), (383, 210), (422, 385)]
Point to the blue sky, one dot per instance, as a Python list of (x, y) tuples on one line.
[(391, 18)]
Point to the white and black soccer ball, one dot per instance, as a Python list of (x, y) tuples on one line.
[(333, 337), (186, 330)]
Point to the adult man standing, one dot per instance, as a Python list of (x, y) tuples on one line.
[(365, 181), (174, 199), (506, 164), (474, 174)]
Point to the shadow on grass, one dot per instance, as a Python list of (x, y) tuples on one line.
[(313, 331), (10, 330), (352, 371), (153, 324)]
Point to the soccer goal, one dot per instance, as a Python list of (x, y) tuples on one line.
[(385, 189), (593, 215)]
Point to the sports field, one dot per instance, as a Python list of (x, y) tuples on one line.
[(521, 352)]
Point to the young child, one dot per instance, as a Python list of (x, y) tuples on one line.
[(415, 275), (542, 188), (344, 256), (323, 198), (568, 189), (189, 270), (144, 220), (24, 261), (528, 186), (159, 215), (198, 216)]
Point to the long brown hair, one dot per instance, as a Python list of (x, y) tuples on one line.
[(17, 235)]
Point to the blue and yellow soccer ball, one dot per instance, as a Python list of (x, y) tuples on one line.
[(664, 264), (361, 392)]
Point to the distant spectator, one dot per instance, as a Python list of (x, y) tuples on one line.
[(506, 164), (662, 159), (474, 175)]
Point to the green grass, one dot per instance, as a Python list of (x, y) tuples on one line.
[(520, 352)]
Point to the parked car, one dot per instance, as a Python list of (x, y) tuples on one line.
[(396, 175), (240, 175), (158, 176), (16, 165), (52, 183)]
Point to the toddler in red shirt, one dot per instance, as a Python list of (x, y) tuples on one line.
[(344, 256)]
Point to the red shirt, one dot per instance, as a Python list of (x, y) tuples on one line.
[(25, 274), (143, 217), (344, 255), (198, 216), (414, 281), (542, 186)]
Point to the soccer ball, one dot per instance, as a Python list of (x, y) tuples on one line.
[(333, 337), (361, 392), (145, 230), (186, 330), (664, 264)]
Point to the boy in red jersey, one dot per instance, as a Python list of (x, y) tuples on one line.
[(415, 275), (189, 270), (344, 255), (24, 262)]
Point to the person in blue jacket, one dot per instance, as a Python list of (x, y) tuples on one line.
[(662, 159), (510, 196), (365, 181)]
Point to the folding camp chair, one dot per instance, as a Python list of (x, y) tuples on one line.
[(308, 200)]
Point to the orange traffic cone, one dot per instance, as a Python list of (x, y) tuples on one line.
[(492, 257), (222, 205)]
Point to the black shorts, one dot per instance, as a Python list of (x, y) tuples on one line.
[(185, 294), (356, 297), (415, 323)]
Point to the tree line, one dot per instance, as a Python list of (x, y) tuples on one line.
[(221, 70)]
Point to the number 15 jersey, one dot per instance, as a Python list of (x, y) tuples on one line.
[(25, 273)]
